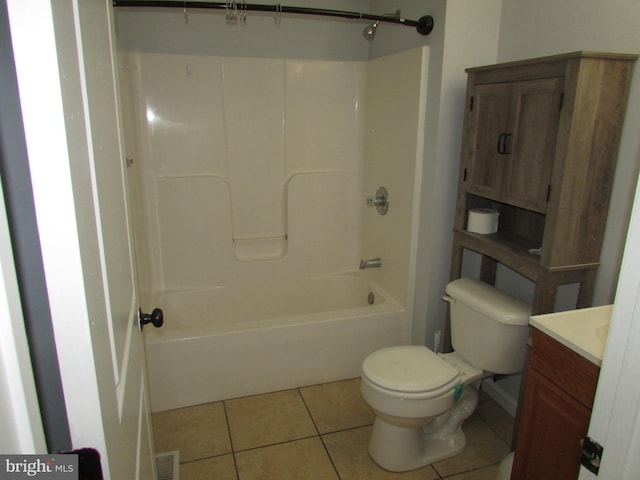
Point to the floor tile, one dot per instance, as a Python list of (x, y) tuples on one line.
[(484, 448), (274, 437), (337, 406), (197, 432), (216, 468), (302, 459), (348, 450), (268, 419), (487, 473)]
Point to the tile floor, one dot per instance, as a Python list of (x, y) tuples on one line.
[(316, 432)]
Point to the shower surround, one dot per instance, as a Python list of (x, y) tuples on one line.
[(249, 178)]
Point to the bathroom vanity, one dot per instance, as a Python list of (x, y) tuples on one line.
[(566, 353)]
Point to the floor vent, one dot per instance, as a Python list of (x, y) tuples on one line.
[(167, 464)]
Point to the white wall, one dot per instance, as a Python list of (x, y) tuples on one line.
[(548, 27)]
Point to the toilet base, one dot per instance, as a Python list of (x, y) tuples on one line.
[(400, 449), (506, 465)]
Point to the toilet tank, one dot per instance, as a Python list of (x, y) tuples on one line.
[(488, 328)]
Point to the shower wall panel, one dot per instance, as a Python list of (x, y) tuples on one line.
[(196, 243), (249, 167), (254, 99), (181, 112), (394, 151)]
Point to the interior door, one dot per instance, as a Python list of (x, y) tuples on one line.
[(128, 435), (66, 68)]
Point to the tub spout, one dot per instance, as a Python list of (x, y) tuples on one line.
[(371, 263)]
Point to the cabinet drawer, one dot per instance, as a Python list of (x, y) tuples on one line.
[(564, 367)]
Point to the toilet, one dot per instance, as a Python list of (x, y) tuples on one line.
[(421, 398)]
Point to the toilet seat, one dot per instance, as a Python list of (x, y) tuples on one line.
[(410, 372)]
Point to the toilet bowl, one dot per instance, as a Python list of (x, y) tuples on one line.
[(421, 398)]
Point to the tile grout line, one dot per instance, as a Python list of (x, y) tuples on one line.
[(283, 442), (233, 450), (335, 469), (306, 407), (465, 472)]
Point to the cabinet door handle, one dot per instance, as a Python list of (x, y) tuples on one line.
[(506, 144), (502, 143), (501, 138)]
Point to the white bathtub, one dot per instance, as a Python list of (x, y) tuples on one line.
[(229, 342)]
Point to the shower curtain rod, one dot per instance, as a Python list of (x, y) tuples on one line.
[(423, 26)]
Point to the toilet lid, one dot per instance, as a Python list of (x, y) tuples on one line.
[(411, 369)]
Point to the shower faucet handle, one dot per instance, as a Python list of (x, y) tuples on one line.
[(376, 201), (380, 200)]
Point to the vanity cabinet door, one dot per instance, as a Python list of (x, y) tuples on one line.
[(552, 425)]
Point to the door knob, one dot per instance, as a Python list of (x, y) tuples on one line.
[(156, 318)]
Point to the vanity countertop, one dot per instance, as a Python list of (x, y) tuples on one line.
[(584, 330)]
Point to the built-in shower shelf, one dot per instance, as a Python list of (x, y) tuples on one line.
[(259, 248)]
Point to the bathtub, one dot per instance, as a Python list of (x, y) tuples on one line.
[(227, 342)]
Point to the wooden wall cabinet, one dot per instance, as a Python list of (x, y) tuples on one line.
[(505, 147), (540, 143), (558, 397)]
